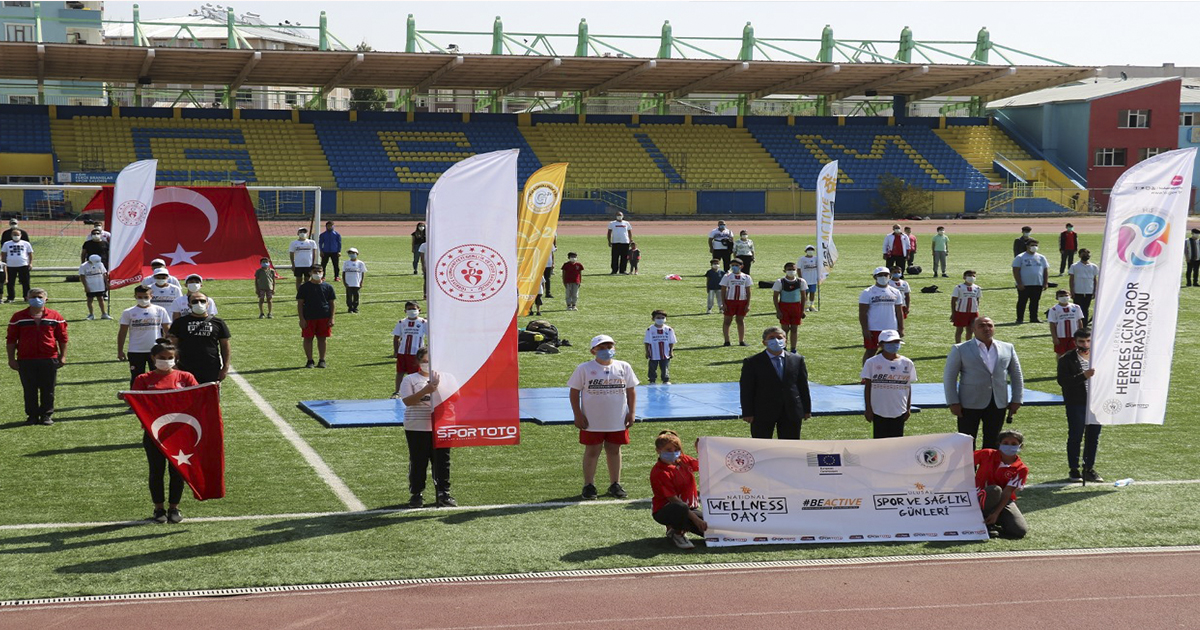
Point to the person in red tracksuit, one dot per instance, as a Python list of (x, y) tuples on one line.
[(37, 348), (673, 480), (999, 474)]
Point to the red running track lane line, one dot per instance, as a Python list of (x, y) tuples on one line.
[(1135, 590)]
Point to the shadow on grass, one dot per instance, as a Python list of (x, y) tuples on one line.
[(71, 540), (933, 358), (94, 382), (62, 409), (79, 450), (1041, 379), (271, 370), (1035, 499)]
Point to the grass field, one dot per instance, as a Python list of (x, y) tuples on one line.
[(89, 467)]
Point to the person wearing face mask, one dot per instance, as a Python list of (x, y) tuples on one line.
[(887, 380), (774, 389), (620, 235), (911, 254), (17, 256), (743, 249), (201, 341), (880, 308), (964, 306), (895, 248), (1074, 371), (604, 402), (676, 502), (941, 250), (162, 292), (901, 285), (264, 286), (408, 337), (316, 305), (572, 277), (660, 347), (1021, 243), (974, 382), (1192, 251), (1031, 270), (331, 249), (1068, 244), (634, 256), (13, 226), (416, 391), (788, 294), (94, 245), (999, 475), (354, 272), (735, 300), (144, 323), (1083, 276), (94, 278), (418, 239), (156, 266), (183, 304), (303, 255), (163, 376), (37, 348), (1065, 318), (810, 270), (712, 283), (720, 244)]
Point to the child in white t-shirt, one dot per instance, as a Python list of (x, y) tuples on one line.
[(417, 391), (660, 347), (94, 278), (887, 380), (604, 402), (353, 273)]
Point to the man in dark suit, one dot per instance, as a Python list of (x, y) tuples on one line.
[(1021, 243), (774, 389)]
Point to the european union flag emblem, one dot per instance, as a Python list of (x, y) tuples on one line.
[(829, 459)]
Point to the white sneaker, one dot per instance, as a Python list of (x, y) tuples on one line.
[(106, 316), (681, 541), (396, 396), (91, 317), (708, 312)]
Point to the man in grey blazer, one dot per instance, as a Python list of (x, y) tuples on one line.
[(975, 382)]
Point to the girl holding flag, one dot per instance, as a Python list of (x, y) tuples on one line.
[(164, 376)]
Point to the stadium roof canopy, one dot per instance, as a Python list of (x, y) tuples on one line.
[(509, 73)]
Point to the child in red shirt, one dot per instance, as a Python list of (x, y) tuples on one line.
[(572, 277), (999, 474), (163, 376), (674, 483)]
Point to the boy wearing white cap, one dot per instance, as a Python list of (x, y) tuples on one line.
[(604, 402), (887, 380), (353, 272), (162, 292), (160, 264), (94, 278), (181, 306), (880, 308)]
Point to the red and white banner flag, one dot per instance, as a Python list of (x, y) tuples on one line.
[(186, 426), (132, 198), (211, 231), (472, 218)]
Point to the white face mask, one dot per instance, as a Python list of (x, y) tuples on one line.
[(164, 364), (716, 266), (318, 277), (199, 309), (162, 282), (790, 273), (1033, 250), (881, 280), (620, 217), (969, 279), (896, 231), (659, 321), (353, 256), (412, 313), (95, 237), (424, 367), (810, 253), (302, 235), (16, 237), (1064, 300), (143, 302), (745, 237), (193, 286)]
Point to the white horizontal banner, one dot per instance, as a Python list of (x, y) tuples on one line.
[(915, 488)]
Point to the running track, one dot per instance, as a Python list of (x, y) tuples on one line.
[(1141, 589)]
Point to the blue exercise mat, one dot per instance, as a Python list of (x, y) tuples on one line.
[(656, 403)]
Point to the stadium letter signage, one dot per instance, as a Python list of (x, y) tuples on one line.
[(472, 289), (1137, 295), (826, 193), (132, 198), (537, 223), (914, 488)]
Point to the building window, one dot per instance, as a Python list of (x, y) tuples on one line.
[(22, 100), (1134, 119), (1187, 119), (1149, 152), (289, 98), (20, 5), (18, 32), (1110, 157)]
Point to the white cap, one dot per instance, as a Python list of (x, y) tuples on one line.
[(879, 270), (352, 250), (158, 261), (889, 335), (12, 221), (95, 258), (812, 247), (162, 272), (599, 339)]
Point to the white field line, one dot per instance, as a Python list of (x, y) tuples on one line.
[(461, 508), (314, 460)]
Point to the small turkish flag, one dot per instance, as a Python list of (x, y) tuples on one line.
[(186, 426)]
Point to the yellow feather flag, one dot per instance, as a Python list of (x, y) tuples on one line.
[(537, 222)]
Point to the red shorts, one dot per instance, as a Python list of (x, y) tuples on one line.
[(599, 437), (790, 314), (316, 328), (406, 364), (872, 342), (1064, 345), (737, 307), (963, 320)]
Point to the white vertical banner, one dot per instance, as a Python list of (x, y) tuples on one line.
[(826, 194), (132, 198), (472, 283), (1137, 294)]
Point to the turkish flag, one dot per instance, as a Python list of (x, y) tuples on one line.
[(210, 231), (186, 426)]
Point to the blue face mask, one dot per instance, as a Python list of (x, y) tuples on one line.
[(892, 347), (735, 269), (669, 457), (606, 355), (265, 265), (776, 345), (1010, 449), (37, 302)]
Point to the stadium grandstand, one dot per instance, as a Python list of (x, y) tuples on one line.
[(644, 135)]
